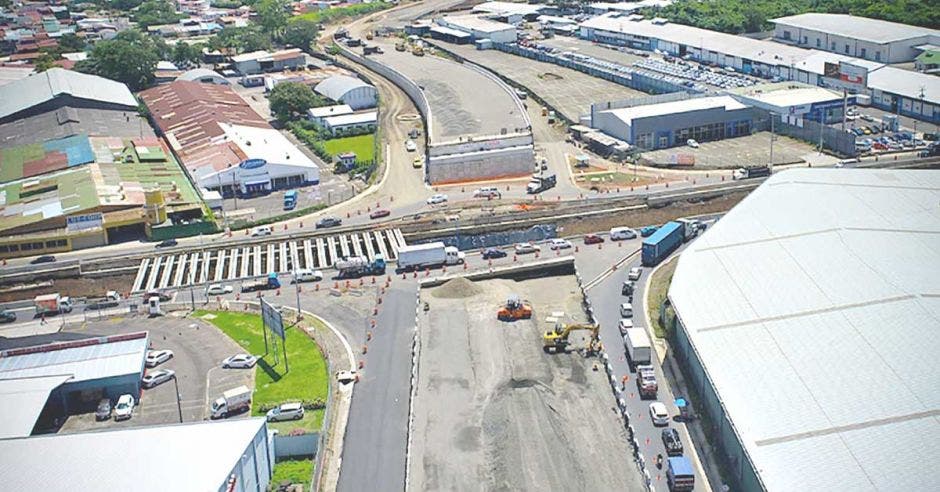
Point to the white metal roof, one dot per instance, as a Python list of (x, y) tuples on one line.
[(325, 111), (337, 86), (814, 306), (816, 62), (22, 401), (266, 143), (352, 119), (36, 89), (450, 31), (850, 26), (914, 85), (199, 73), (627, 115), (508, 8), (475, 23), (796, 96), (83, 363), (180, 457)]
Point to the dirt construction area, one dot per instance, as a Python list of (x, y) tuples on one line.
[(493, 411)]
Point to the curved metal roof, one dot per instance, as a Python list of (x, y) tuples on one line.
[(198, 73), (337, 86)]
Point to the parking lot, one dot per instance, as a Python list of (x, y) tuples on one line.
[(569, 91), (731, 153), (198, 350), (493, 410)]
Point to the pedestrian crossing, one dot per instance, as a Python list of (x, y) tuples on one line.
[(236, 263)]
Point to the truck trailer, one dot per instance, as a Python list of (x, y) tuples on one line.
[(539, 184), (357, 266), (751, 172), (428, 255), (679, 474), (662, 243), (268, 283), (638, 346)]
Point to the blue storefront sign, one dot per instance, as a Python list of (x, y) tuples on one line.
[(252, 163)]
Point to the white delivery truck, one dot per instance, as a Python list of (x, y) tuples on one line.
[(428, 255), (639, 348), (232, 401), (52, 304)]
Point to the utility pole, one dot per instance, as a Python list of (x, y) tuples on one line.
[(845, 107), (192, 293), (772, 138), (179, 405), (297, 289), (821, 118)]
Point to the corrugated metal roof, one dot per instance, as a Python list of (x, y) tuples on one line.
[(194, 457), (37, 89), (813, 306), (22, 401), (83, 363), (850, 26), (627, 115), (337, 86)]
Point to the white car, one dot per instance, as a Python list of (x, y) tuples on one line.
[(156, 357), (307, 275), (345, 377), (261, 231), (658, 414), (240, 361), (692, 143), (626, 310), (635, 273), (124, 407), (524, 248), (559, 244), (218, 290), (624, 325), (286, 411), (437, 198), (154, 378), (411, 146)]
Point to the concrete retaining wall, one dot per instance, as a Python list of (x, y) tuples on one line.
[(295, 446), (489, 164)]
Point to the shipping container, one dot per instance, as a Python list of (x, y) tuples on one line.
[(662, 243)]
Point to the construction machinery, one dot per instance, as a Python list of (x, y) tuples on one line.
[(418, 51), (400, 46), (514, 309), (557, 339)]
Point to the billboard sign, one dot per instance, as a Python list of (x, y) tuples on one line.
[(252, 163), (84, 222), (271, 317), (846, 75)]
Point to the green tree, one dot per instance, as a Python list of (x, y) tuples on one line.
[(272, 15), (300, 33), (123, 4), (45, 61), (70, 43), (290, 100), (240, 39), (130, 62), (156, 12), (186, 55)]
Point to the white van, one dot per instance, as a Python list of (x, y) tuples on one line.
[(261, 231), (307, 275), (620, 233), (487, 192)]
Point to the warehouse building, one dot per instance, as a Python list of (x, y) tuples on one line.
[(480, 27), (227, 456), (512, 12), (56, 88), (316, 115), (669, 124), (203, 75), (73, 375), (793, 101), (859, 37), (347, 90), (262, 61), (812, 342), (355, 123)]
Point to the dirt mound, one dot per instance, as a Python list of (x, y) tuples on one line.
[(458, 288)]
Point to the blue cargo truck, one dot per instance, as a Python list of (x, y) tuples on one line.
[(662, 243), (679, 476)]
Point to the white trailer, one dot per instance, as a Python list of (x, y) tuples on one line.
[(428, 255), (639, 348)]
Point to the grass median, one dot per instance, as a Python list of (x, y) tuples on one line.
[(658, 288), (306, 381)]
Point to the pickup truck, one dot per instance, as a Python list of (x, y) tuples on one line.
[(110, 299)]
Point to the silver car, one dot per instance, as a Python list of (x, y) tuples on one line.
[(286, 411), (153, 378)]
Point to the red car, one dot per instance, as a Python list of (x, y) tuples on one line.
[(378, 214), (593, 239)]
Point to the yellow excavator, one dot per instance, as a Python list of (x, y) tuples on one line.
[(556, 339)]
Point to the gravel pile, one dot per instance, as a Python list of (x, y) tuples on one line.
[(458, 288)]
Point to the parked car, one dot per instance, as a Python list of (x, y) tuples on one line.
[(621, 233), (159, 376), (525, 248), (286, 411), (411, 146), (624, 325), (593, 239), (7, 316), (417, 162), (42, 259), (329, 222), (626, 310), (306, 275), (103, 412), (491, 253), (648, 231), (167, 243), (156, 357), (240, 361), (219, 289), (261, 231), (692, 143), (635, 273), (559, 243), (867, 117), (378, 214), (124, 407), (487, 192), (627, 288), (437, 198), (672, 442), (658, 414)]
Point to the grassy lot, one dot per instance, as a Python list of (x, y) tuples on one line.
[(362, 145), (297, 471), (327, 15), (307, 379), (658, 287)]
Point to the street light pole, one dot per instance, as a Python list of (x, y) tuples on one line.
[(297, 289), (179, 405), (771, 141)]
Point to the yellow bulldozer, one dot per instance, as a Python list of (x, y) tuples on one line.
[(556, 339), (515, 309)]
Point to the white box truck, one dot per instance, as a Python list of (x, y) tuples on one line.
[(52, 304), (232, 401), (639, 348), (428, 255)]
